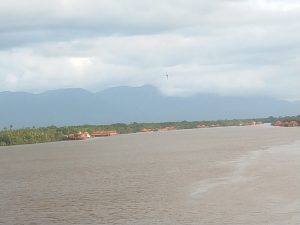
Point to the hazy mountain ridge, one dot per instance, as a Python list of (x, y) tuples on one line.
[(130, 104)]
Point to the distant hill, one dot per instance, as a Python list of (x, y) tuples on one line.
[(130, 104)]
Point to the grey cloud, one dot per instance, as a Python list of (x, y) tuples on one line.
[(225, 47)]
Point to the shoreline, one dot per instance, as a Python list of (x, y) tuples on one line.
[(145, 133), (53, 134)]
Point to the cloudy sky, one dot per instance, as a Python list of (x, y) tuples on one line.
[(227, 47)]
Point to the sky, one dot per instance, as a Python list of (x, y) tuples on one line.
[(225, 47)]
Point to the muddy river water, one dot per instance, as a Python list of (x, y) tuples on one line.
[(236, 175)]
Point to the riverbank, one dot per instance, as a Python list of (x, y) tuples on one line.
[(235, 175), (52, 133)]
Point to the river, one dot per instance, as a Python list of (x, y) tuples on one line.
[(215, 176)]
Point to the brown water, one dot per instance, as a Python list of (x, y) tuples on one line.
[(205, 176)]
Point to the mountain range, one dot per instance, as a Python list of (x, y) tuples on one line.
[(130, 104)]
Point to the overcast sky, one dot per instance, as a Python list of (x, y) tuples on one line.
[(227, 47)]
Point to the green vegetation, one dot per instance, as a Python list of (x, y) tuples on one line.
[(290, 118), (52, 133), (30, 136), (272, 119)]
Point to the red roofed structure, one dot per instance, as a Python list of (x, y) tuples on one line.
[(104, 133), (79, 136)]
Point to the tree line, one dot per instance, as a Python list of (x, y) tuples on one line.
[(52, 133)]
